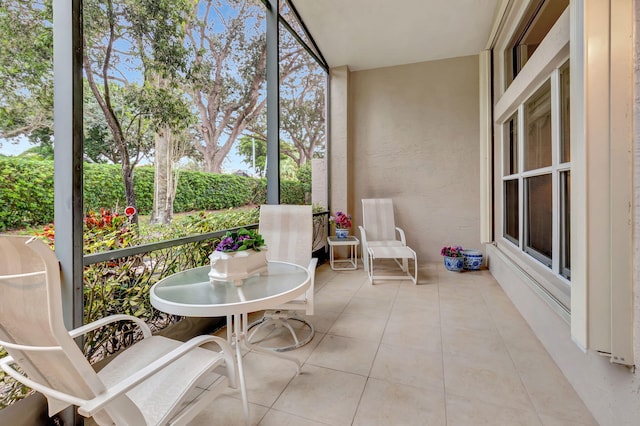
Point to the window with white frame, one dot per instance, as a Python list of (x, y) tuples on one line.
[(535, 24), (537, 174)]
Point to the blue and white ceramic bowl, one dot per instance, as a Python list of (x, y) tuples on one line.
[(472, 259), (454, 264)]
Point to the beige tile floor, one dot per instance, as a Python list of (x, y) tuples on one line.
[(452, 350)]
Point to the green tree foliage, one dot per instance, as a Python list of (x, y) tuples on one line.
[(245, 148), (26, 69), (253, 151), (125, 40), (99, 146), (304, 176), (225, 82), (38, 152), (227, 70), (302, 109)]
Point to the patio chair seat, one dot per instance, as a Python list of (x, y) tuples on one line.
[(394, 252), (159, 396)]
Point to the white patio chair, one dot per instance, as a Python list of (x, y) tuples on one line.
[(288, 233), (156, 381), (382, 239)]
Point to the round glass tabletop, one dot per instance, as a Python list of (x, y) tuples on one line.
[(190, 293)]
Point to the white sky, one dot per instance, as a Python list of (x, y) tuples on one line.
[(10, 148)]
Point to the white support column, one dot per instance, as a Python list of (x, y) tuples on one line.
[(339, 173), (486, 153)]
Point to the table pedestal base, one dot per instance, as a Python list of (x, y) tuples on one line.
[(277, 320), (237, 332)]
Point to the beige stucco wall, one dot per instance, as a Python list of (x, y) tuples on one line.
[(414, 138)]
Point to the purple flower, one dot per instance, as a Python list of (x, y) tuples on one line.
[(242, 239)]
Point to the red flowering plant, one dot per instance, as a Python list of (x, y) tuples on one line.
[(451, 251), (341, 220), (106, 231)]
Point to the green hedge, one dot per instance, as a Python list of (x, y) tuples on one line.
[(26, 191)]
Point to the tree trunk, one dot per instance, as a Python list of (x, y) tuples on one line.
[(127, 177), (164, 187)]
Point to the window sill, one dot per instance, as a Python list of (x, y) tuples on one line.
[(555, 285)]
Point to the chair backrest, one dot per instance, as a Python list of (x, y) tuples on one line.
[(288, 232), (378, 220), (31, 315)]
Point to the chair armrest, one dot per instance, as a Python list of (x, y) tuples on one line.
[(312, 266), (363, 235), (91, 407), (146, 331), (310, 293), (38, 387), (402, 237)]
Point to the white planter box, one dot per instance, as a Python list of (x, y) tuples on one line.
[(236, 266)]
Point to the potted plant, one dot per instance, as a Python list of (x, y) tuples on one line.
[(343, 224), (453, 258), (239, 254)]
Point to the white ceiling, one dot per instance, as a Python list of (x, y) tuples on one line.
[(365, 34)]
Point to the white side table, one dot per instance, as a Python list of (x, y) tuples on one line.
[(351, 262)]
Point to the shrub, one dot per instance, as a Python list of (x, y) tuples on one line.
[(291, 192), (26, 191)]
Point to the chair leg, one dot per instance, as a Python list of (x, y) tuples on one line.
[(415, 269), (365, 257), (280, 319), (403, 264)]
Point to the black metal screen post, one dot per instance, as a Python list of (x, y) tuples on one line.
[(273, 105), (67, 118)]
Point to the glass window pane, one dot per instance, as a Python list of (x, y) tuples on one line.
[(511, 211), (565, 224), (290, 16), (538, 220), (536, 24), (537, 138), (302, 121), (511, 146), (565, 123)]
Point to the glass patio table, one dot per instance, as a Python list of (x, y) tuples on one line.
[(190, 293)]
